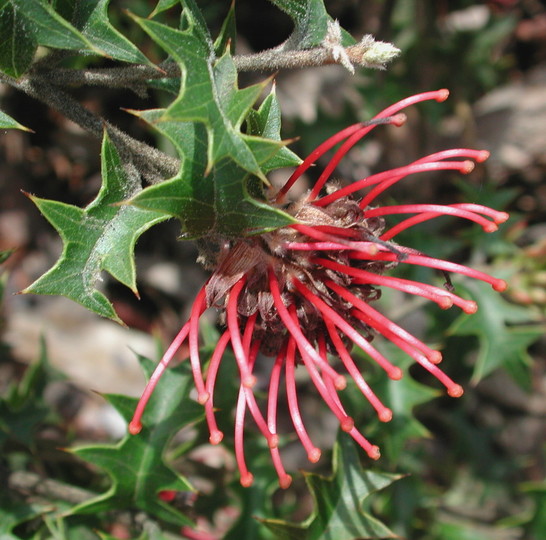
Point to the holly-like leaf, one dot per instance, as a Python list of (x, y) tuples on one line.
[(219, 202), (17, 47), (264, 125), (504, 331), (100, 237), (49, 28), (22, 407), (14, 512), (338, 512), (162, 5), (208, 91), (135, 465), (7, 122), (227, 36), (92, 20), (310, 23)]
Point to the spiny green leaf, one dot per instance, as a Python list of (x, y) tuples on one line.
[(14, 512), (228, 34), (49, 28), (100, 237), (220, 201), (208, 92), (505, 331), (17, 48), (264, 125), (338, 513), (310, 23), (7, 122), (92, 20), (219, 204), (163, 5), (135, 465)]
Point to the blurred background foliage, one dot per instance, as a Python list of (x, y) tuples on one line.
[(473, 468)]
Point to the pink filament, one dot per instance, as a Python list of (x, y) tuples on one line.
[(384, 325), (246, 477), (370, 449), (442, 298), (421, 260), (391, 175), (197, 309), (135, 426), (478, 155), (215, 434), (384, 414), (393, 372), (353, 134), (313, 453), (247, 378), (428, 211), (272, 399)]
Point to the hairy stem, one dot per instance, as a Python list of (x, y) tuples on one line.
[(153, 164)]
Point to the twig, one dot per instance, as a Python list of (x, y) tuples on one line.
[(154, 165), (368, 53), (24, 481)]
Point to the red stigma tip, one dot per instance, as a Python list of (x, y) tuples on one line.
[(347, 424), (374, 452), (167, 495), (216, 437), (285, 481), (455, 391), (135, 428), (203, 397), (399, 119), (340, 383), (500, 285), (501, 217), (435, 357), (385, 415), (470, 307), (442, 95), (247, 480), (467, 166), (314, 455), (395, 374), (482, 156)]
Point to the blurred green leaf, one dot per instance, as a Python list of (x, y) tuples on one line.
[(91, 18), (22, 408), (100, 237), (135, 465), (338, 513), (7, 122), (17, 48), (504, 330), (402, 397), (227, 37)]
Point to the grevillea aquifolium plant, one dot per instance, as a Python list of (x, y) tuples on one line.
[(302, 295)]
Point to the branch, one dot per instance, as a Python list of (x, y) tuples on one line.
[(24, 481), (368, 53), (154, 165)]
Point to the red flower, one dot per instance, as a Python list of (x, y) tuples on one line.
[(304, 292)]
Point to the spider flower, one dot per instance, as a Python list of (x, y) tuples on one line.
[(303, 294)]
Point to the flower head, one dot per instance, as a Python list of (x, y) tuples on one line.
[(303, 294)]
